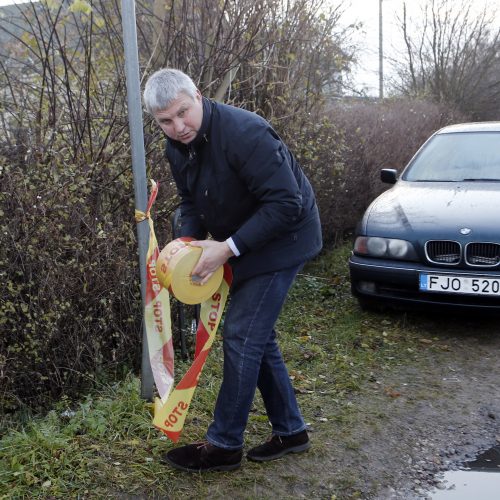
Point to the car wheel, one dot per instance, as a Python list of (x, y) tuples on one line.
[(369, 305)]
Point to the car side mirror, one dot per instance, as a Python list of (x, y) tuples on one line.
[(389, 175)]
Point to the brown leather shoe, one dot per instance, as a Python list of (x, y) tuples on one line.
[(277, 446), (203, 457)]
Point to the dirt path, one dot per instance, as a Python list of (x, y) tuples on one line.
[(448, 409), (428, 415)]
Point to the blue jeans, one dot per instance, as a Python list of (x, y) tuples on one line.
[(252, 359)]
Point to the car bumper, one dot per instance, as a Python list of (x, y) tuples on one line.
[(396, 283)]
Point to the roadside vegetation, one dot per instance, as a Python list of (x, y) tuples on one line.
[(104, 445)]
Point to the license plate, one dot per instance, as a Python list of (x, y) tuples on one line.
[(459, 284)]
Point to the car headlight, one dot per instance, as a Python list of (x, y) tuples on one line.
[(375, 246)]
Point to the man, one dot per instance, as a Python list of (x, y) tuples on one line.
[(238, 181)]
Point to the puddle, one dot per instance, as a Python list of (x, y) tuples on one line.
[(478, 481)]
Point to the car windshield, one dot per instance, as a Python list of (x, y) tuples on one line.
[(455, 157)]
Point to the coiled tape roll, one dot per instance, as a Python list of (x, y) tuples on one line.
[(173, 269)]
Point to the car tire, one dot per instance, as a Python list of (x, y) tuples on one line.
[(369, 305)]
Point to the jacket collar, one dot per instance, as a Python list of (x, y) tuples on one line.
[(202, 134)]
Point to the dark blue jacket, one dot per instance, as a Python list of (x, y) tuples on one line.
[(238, 179)]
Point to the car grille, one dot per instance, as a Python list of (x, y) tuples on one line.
[(482, 254), (450, 253), (443, 252)]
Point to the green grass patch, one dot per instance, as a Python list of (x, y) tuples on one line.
[(105, 445)]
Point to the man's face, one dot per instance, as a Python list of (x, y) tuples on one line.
[(182, 119)]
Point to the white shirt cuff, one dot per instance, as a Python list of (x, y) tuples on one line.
[(233, 247)]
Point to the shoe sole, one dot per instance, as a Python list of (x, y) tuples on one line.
[(216, 468), (296, 449)]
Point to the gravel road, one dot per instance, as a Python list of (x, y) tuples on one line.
[(447, 410), (429, 415)]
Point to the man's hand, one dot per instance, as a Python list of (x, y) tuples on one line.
[(214, 254)]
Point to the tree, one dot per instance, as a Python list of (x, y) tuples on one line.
[(453, 56), (264, 55)]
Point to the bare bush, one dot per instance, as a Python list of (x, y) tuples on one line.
[(378, 134), (69, 293)]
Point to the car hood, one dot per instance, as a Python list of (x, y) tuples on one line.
[(436, 210)]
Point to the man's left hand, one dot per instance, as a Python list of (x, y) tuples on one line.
[(214, 254)]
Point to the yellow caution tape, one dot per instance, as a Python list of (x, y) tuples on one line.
[(174, 266), (157, 311), (171, 269)]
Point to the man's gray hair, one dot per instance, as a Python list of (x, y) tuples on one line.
[(164, 86)]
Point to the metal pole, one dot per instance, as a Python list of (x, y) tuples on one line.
[(139, 168), (380, 53)]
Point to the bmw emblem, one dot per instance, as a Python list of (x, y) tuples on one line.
[(465, 231)]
